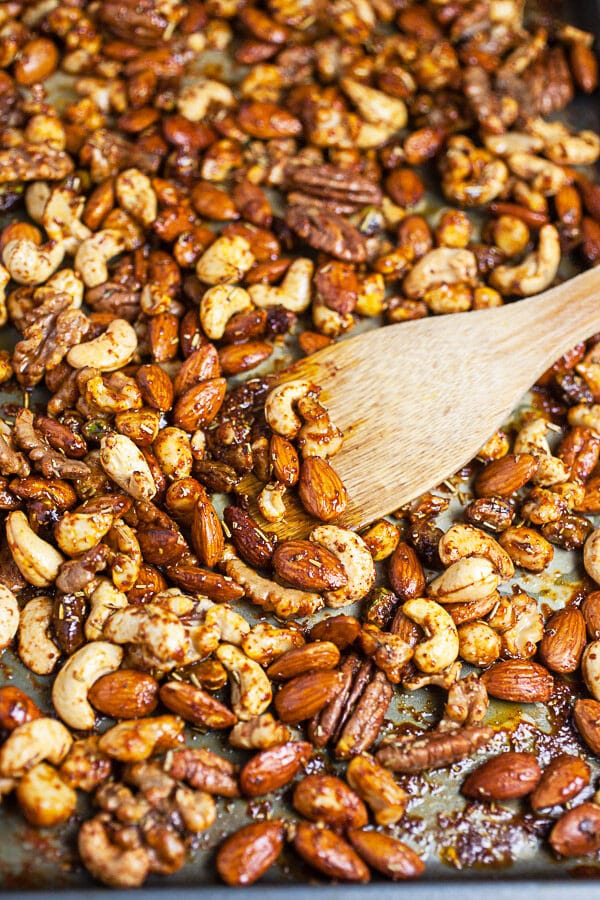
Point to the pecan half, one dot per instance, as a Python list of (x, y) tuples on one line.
[(328, 232)]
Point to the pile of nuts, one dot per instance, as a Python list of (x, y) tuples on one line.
[(179, 222)]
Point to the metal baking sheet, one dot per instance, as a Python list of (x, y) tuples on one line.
[(485, 849)]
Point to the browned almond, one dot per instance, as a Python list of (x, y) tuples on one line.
[(272, 769), (163, 336), (125, 694), (564, 640), (248, 853), (341, 630), (325, 798), (237, 358), (284, 460), (199, 405), (195, 705), (16, 708), (267, 121), (584, 67), (590, 609), (309, 658), (325, 851), (378, 788), (303, 697), (505, 777), (578, 831), (562, 780), (586, 716), (207, 532), (519, 680), (216, 587), (505, 476), (386, 854), (472, 609), (321, 490), (155, 387), (200, 365), (252, 544), (309, 566), (406, 574), (245, 326)]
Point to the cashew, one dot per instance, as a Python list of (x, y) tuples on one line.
[(563, 147), (31, 743), (104, 601), (136, 739), (390, 652), (115, 393), (109, 351), (93, 254), (174, 453), (136, 195), (520, 640), (356, 559), (471, 176), (374, 106), (512, 142), (251, 692), (195, 100), (125, 464), (258, 733), (81, 529), (108, 862), (218, 305), (4, 279), (544, 176), (444, 265), (590, 668), (30, 263), (36, 559), (279, 407), (45, 800), (441, 647), (536, 272), (197, 809), (470, 578), (36, 649), (265, 643), (587, 416), (127, 556), (591, 555), (532, 439), (66, 281), (320, 438), (479, 644), (232, 626), (465, 540), (9, 616), (225, 261), (37, 195), (270, 501), (73, 681), (328, 321), (294, 292), (61, 218), (158, 631)]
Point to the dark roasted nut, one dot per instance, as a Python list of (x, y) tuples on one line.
[(387, 854), (519, 680), (405, 572), (321, 490), (16, 708), (564, 640), (203, 770), (327, 232), (195, 705), (341, 630), (312, 657), (505, 777), (125, 694), (577, 832), (274, 768), (303, 697), (250, 852), (309, 566), (586, 716), (562, 780), (433, 750), (325, 851), (325, 798), (252, 544), (504, 477), (68, 615)]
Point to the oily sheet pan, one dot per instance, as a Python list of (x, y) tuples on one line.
[(488, 849)]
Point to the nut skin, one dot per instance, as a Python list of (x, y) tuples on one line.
[(321, 490), (328, 853), (577, 832), (506, 777), (405, 572), (586, 715), (504, 477), (562, 780), (195, 705), (252, 544), (387, 854), (199, 405), (155, 386), (303, 697), (325, 798), (519, 680), (564, 640), (248, 853), (591, 613), (319, 655), (125, 694), (341, 630), (272, 769), (308, 566)]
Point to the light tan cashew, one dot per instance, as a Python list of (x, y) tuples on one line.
[(125, 464), (66, 281), (43, 797), (173, 451), (158, 631), (272, 597), (320, 437), (590, 668), (512, 142), (37, 195), (109, 351), (265, 643), (470, 578), (113, 393), (441, 647), (270, 501), (30, 263), (108, 862), (9, 616), (104, 601), (79, 530), (61, 218), (75, 678), (232, 626), (463, 540), (225, 261), (588, 416), (218, 305), (479, 645), (591, 555), (520, 640), (36, 649), (195, 100), (280, 414), (36, 559), (355, 558), (134, 740), (543, 175), (4, 279), (31, 743), (374, 106), (251, 692), (444, 265), (94, 253), (136, 195), (127, 559), (471, 176), (563, 147), (294, 292), (531, 438), (328, 321), (536, 272), (370, 135)]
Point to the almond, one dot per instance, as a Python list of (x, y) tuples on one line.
[(217, 587), (201, 365), (321, 490), (584, 66), (207, 532), (125, 694), (272, 769), (519, 680), (309, 566), (562, 780), (311, 657), (155, 387), (237, 358), (578, 831), (586, 716), (341, 630), (163, 336), (303, 697), (252, 544), (325, 851), (406, 574), (199, 405), (503, 477), (250, 852), (505, 777), (564, 640), (195, 705), (284, 460), (16, 708), (591, 613), (387, 854), (325, 798)]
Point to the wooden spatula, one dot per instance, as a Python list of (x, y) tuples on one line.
[(417, 400)]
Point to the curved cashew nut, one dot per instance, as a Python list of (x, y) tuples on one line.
[(61, 218), (512, 142), (66, 281), (591, 555), (461, 541), (320, 437), (93, 254), (225, 261), (113, 394), (444, 265), (563, 147), (158, 631), (104, 601), (36, 559), (9, 616), (233, 627), (356, 559), (536, 272), (36, 649), (532, 439), (37, 195), (279, 407), (470, 578), (136, 739), (109, 351), (81, 529), (73, 681), (265, 643), (218, 305), (471, 176), (127, 558), (328, 321), (44, 798), (251, 692), (590, 668), (374, 106), (543, 175), (136, 195), (194, 101), (106, 861), (30, 263), (441, 647), (125, 464), (31, 743), (270, 501), (294, 292), (4, 279)]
